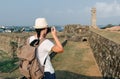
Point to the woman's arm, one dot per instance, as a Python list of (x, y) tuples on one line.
[(58, 48)]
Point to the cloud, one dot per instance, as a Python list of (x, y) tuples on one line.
[(65, 12), (108, 9)]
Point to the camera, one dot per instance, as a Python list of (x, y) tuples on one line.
[(48, 29)]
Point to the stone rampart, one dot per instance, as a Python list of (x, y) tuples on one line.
[(107, 55), (106, 52), (76, 32)]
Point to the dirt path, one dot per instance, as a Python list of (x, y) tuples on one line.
[(77, 62), (93, 70)]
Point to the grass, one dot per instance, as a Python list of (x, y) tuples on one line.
[(71, 63), (3, 55), (8, 65), (114, 36)]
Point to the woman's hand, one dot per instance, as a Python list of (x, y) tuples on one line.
[(57, 47), (54, 31)]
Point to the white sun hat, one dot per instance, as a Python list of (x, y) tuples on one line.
[(40, 23)]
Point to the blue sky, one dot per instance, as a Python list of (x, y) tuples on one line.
[(58, 12)]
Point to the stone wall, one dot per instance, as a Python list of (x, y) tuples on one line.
[(107, 55), (76, 32)]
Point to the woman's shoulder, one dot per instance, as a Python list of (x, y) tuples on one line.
[(47, 41), (31, 38)]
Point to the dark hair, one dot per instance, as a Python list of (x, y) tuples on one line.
[(38, 31), (36, 41)]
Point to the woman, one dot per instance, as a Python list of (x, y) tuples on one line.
[(46, 46)]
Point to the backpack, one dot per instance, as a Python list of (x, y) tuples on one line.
[(30, 67)]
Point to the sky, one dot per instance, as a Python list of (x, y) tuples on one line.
[(58, 12)]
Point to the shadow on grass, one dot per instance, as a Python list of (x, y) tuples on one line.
[(61, 74)]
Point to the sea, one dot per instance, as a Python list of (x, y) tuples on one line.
[(25, 28), (30, 28)]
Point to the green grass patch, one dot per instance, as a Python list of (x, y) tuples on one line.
[(70, 60), (8, 65)]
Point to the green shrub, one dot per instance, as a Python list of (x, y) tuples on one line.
[(14, 46)]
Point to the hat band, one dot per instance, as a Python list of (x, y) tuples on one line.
[(40, 26)]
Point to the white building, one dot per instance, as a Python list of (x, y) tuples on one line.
[(2, 27)]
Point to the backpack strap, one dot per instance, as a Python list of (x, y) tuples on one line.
[(46, 56), (41, 40), (45, 61)]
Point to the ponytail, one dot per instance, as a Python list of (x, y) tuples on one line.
[(38, 31)]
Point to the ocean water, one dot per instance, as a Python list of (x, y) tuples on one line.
[(25, 28), (60, 28), (30, 28), (101, 26)]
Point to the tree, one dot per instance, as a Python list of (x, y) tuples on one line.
[(108, 26)]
